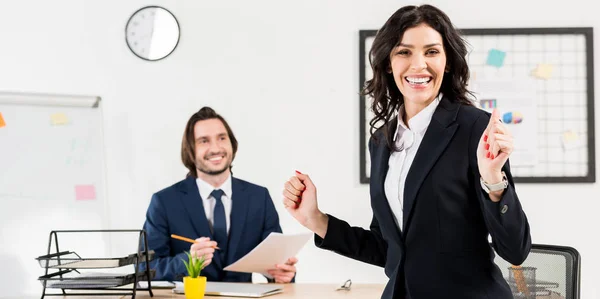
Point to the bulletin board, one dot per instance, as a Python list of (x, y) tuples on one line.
[(542, 82)]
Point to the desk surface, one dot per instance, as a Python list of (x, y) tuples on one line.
[(290, 291)]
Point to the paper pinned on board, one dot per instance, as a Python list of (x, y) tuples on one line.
[(571, 140), (275, 249), (543, 71), (516, 100), (496, 58)]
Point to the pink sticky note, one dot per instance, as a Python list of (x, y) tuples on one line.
[(85, 192)]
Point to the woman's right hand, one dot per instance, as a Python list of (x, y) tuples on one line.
[(300, 199)]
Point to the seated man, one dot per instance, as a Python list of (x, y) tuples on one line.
[(212, 207)]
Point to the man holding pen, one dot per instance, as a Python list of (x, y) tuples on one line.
[(224, 217)]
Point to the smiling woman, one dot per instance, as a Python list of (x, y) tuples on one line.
[(439, 172), (429, 47), (418, 64)]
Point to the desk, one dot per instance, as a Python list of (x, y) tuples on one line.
[(300, 290), (290, 291)]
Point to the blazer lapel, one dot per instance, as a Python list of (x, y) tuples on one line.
[(440, 131), (378, 174), (239, 210), (194, 207)]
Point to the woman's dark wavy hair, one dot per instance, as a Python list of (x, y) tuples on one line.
[(382, 87)]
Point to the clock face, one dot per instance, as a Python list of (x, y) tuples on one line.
[(152, 33)]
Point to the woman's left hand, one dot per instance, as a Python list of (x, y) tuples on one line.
[(495, 145)]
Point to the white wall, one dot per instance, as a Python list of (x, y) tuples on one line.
[(285, 76)]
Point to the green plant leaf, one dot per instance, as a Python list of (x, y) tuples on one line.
[(194, 265)]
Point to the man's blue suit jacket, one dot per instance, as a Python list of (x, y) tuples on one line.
[(178, 209)]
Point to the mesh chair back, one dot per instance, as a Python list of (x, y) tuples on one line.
[(550, 272)]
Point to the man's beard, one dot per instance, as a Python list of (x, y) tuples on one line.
[(200, 166)]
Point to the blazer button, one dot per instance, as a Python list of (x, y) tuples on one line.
[(504, 209)]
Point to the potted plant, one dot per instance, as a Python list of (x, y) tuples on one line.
[(194, 285)]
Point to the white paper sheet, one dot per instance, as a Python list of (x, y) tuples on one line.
[(275, 249), (516, 100)]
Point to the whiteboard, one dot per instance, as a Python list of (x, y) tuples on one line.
[(52, 177)]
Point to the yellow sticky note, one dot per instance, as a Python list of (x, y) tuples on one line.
[(571, 140), (59, 119), (2, 123), (543, 71)]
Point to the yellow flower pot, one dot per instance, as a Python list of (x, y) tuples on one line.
[(194, 288)]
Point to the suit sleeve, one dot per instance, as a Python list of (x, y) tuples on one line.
[(167, 267), (271, 221), (354, 242), (506, 221)]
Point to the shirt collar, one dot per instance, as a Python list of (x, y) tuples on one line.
[(419, 122), (206, 189)]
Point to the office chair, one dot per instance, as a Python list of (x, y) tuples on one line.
[(549, 272)]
